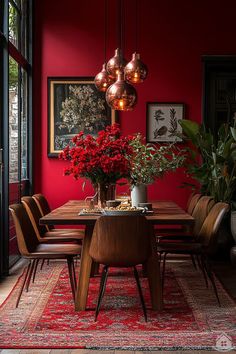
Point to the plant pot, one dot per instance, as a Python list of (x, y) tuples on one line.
[(233, 224), (138, 194)]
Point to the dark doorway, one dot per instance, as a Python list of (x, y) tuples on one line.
[(219, 90)]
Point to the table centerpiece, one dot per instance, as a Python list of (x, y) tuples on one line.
[(102, 159)]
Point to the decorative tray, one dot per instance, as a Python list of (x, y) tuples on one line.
[(122, 212), (93, 212)]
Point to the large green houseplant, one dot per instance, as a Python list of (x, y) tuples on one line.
[(213, 164), (213, 159)]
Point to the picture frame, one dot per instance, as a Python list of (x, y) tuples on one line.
[(74, 105), (162, 121)]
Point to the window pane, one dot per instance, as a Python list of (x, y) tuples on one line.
[(24, 128), (24, 26), (13, 120), (13, 25)]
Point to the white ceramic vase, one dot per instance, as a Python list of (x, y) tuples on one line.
[(138, 194)]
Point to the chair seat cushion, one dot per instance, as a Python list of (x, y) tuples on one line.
[(62, 237), (77, 232), (59, 250), (180, 247)]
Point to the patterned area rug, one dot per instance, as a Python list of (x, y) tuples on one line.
[(191, 318)]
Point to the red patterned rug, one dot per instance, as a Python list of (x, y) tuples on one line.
[(191, 318)]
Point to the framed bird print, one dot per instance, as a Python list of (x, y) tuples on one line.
[(163, 121)]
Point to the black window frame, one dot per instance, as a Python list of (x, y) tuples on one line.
[(8, 49)]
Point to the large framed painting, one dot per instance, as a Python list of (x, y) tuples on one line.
[(163, 122), (74, 105)]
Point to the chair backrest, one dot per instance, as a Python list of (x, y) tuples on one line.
[(26, 237), (42, 203), (34, 215), (43, 206), (200, 212), (212, 223), (193, 202), (120, 241)]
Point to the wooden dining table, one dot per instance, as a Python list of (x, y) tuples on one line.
[(164, 213)]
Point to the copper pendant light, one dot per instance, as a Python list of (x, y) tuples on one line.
[(116, 63), (121, 95), (135, 71), (103, 80)]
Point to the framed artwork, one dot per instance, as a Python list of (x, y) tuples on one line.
[(163, 121), (74, 105)]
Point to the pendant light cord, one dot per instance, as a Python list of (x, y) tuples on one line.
[(105, 32), (122, 25), (136, 25)]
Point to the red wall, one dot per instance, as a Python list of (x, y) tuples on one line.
[(173, 37)]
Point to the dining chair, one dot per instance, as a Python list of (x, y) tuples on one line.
[(120, 241), (202, 247), (45, 209), (31, 249), (191, 204), (200, 212), (41, 230)]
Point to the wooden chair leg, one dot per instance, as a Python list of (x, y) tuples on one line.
[(140, 293), (74, 275), (30, 275), (42, 264), (163, 270), (70, 270), (35, 270), (23, 284), (193, 261), (211, 277), (101, 290), (203, 269)]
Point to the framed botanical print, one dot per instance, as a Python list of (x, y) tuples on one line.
[(74, 105), (163, 121)]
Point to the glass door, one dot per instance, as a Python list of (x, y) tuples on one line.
[(16, 120)]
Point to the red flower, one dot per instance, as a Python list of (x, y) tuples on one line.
[(102, 158)]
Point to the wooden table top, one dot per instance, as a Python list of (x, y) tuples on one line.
[(165, 212)]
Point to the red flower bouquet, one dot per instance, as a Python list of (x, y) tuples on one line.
[(102, 159)]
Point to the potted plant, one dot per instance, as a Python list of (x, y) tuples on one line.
[(148, 162), (213, 164)]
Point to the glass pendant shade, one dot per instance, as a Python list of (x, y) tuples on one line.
[(103, 80), (135, 71), (121, 96), (116, 63)]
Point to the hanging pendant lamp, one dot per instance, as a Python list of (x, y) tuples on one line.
[(121, 95), (116, 63), (136, 71), (103, 80)]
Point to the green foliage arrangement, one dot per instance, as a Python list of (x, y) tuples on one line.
[(150, 162), (216, 168)]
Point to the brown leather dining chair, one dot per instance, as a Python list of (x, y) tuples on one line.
[(200, 212), (204, 243), (120, 241), (41, 231), (169, 231), (31, 249), (45, 209)]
